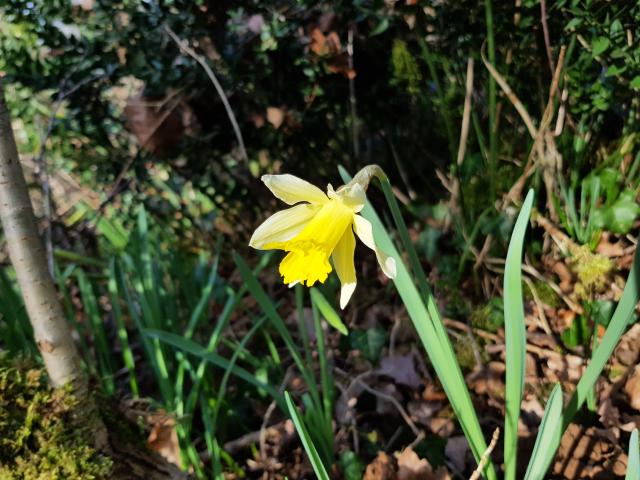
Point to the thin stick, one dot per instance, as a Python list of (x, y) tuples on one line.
[(225, 101), (466, 113), (405, 416), (533, 131), (404, 175), (485, 456), (352, 98), (545, 32), (541, 352)]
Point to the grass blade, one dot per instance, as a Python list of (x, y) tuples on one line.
[(326, 380), (101, 343), (123, 335), (515, 337), (201, 352), (633, 467), (312, 453), (548, 437)]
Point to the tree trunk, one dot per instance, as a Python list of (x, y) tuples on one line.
[(27, 255)]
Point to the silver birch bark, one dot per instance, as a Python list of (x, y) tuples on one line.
[(27, 255)]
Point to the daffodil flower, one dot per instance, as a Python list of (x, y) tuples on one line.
[(316, 227)]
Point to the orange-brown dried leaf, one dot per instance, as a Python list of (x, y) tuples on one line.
[(381, 468), (412, 467), (163, 438)]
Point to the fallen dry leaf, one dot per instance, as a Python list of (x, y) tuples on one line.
[(627, 351), (609, 413), (566, 368), (564, 274), (457, 452), (412, 467), (159, 123), (163, 438), (632, 388), (275, 116), (442, 426), (487, 379), (608, 249), (329, 48), (401, 368), (584, 453), (324, 45), (382, 468)]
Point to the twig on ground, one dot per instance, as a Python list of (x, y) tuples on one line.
[(541, 352), (561, 239), (531, 270), (562, 112), (360, 381), (248, 439), (184, 47), (354, 424), (267, 416), (485, 456), (263, 430), (405, 416), (484, 251), (543, 146)]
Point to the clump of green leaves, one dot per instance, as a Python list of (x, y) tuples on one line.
[(37, 434), (405, 71)]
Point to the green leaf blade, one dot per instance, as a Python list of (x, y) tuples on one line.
[(633, 466), (515, 337), (548, 437), (307, 443)]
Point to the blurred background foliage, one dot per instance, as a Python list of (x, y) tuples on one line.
[(312, 84)]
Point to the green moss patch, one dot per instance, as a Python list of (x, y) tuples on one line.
[(38, 439), (592, 271)]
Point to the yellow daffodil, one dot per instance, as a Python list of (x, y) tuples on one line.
[(317, 227)]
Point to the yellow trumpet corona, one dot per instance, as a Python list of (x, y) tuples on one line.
[(316, 228)]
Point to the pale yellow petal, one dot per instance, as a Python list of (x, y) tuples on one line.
[(343, 263), (352, 196), (282, 226), (364, 230), (291, 189)]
